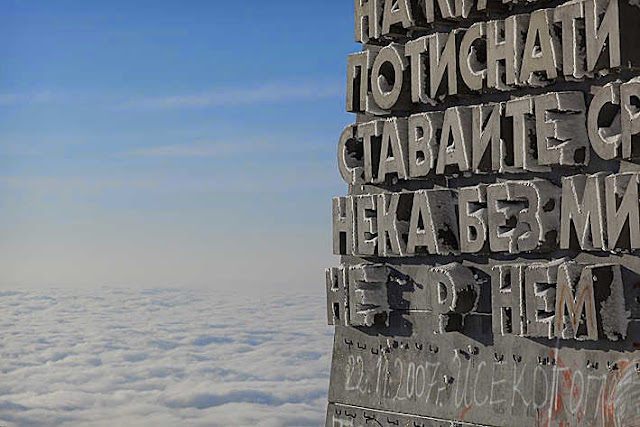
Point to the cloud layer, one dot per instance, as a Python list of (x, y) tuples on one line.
[(225, 97), (162, 358)]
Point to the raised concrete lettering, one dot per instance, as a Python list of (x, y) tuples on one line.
[(522, 215), (368, 298), (454, 294), (541, 51), (490, 240), (337, 296), (472, 202), (424, 131), (433, 228), (561, 131), (343, 226), (583, 202), (387, 75), (455, 141)]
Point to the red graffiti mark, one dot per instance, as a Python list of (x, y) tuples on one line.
[(619, 396), (464, 411), (569, 385), (565, 388), (609, 407)]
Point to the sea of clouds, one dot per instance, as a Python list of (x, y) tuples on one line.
[(119, 357)]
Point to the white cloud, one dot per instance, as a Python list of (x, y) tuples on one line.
[(162, 357), (267, 144), (9, 98), (37, 97), (267, 93), (205, 149), (50, 183)]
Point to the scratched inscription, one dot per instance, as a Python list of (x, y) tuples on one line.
[(548, 387)]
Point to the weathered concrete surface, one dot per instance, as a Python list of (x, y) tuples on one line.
[(574, 41), (490, 239), (510, 381)]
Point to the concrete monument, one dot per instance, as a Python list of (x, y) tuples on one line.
[(490, 238)]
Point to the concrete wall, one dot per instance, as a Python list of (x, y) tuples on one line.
[(489, 241)]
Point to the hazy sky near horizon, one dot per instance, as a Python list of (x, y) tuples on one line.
[(170, 143)]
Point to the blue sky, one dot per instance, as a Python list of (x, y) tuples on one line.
[(170, 143)]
